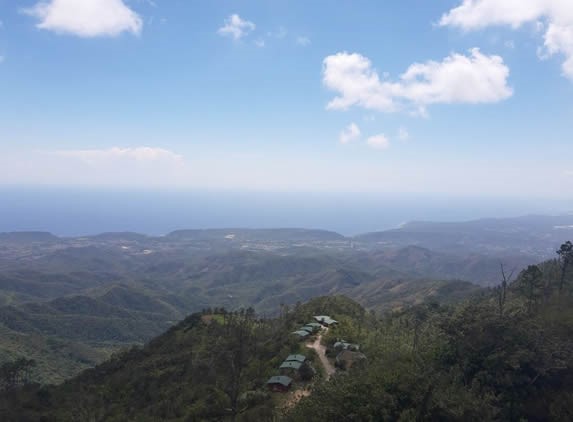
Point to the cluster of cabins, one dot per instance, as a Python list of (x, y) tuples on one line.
[(312, 327), (307, 330), (291, 366)]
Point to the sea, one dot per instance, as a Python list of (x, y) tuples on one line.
[(79, 212)]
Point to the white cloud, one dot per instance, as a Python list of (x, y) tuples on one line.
[(303, 41), (568, 173), (236, 28), (476, 78), (137, 154), (378, 142), (552, 17), (260, 43), (86, 18), (350, 133), (403, 134)]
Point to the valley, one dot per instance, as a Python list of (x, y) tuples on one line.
[(70, 303)]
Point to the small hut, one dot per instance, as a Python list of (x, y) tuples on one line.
[(314, 325), (296, 358), (279, 384), (325, 320), (301, 334), (290, 368), (344, 345)]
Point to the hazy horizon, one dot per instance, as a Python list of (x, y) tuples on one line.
[(77, 212)]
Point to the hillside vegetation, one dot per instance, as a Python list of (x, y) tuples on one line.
[(505, 354), (69, 304)]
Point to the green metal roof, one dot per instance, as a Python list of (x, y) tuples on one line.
[(297, 358), (307, 328), (346, 346), (283, 380), (325, 319), (290, 365), (314, 324), (301, 333)]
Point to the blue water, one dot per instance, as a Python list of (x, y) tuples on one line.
[(74, 212)]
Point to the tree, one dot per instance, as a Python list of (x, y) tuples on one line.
[(565, 253), (501, 290), (13, 374), (238, 344), (307, 372), (532, 285)]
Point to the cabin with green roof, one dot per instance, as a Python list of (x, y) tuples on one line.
[(301, 334), (279, 384), (325, 320), (344, 345), (291, 365), (291, 368), (296, 358)]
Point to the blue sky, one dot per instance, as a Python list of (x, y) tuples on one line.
[(289, 95)]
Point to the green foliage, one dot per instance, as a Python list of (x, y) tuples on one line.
[(475, 360), (13, 374), (208, 367), (467, 362), (73, 304), (565, 254)]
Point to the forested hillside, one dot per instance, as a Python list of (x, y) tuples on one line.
[(211, 366), (504, 354), (70, 303)]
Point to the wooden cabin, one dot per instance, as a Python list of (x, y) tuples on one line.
[(279, 384)]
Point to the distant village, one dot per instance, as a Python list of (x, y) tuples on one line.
[(296, 367)]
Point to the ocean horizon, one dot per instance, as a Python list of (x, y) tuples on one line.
[(79, 212)]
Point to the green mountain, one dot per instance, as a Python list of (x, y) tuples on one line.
[(504, 354), (100, 294)]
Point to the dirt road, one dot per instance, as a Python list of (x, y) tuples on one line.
[(321, 351)]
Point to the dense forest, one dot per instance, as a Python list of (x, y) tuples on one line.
[(504, 354)]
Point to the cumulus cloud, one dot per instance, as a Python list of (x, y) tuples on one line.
[(86, 18), (475, 78), (137, 154), (236, 28), (349, 134), (554, 18), (378, 142)]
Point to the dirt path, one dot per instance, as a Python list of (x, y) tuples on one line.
[(321, 351), (294, 397)]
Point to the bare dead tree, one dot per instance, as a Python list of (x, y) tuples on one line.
[(501, 290)]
